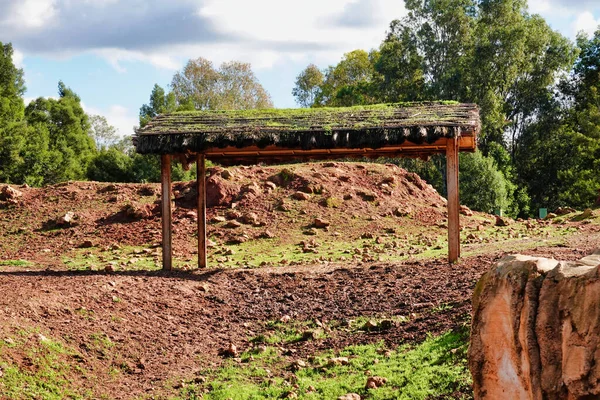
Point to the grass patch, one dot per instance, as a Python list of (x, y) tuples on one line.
[(14, 263), (434, 368), (45, 369)]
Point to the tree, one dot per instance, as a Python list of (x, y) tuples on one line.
[(160, 103), (69, 145), (308, 85), (12, 87), (103, 134), (232, 87), (350, 82), (482, 186)]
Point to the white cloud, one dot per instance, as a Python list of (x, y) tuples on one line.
[(31, 13), (115, 57), (17, 58), (586, 22), (313, 21)]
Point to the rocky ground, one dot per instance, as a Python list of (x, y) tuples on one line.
[(319, 244)]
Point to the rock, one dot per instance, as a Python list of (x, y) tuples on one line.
[(367, 235), (366, 196), (301, 196), (249, 218), (9, 194), (86, 244), (270, 185), (502, 221), (285, 319), (233, 224), (137, 211), (536, 329), (321, 223), (587, 213), (233, 214), (332, 362), (403, 211), (564, 210), (226, 174), (370, 325), (193, 215), (464, 210), (66, 220), (550, 216), (350, 396), (217, 219), (230, 351), (374, 382), (267, 235), (146, 191)]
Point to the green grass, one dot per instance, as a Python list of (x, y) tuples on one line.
[(14, 263), (129, 258), (47, 372), (436, 367)]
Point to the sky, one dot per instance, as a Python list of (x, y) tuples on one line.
[(112, 52)]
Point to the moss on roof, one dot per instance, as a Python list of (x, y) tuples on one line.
[(351, 127)]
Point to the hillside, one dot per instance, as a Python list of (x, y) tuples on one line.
[(306, 259)]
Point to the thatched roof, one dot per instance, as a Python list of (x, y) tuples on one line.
[(360, 127)]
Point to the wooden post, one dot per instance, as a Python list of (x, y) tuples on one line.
[(201, 180), (453, 200), (165, 175)]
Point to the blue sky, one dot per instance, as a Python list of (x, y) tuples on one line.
[(112, 52)]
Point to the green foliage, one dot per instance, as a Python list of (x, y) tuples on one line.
[(435, 368), (308, 86), (104, 134), (233, 86), (12, 88), (111, 165), (159, 103), (482, 186), (350, 82)]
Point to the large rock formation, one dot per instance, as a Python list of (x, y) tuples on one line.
[(536, 330)]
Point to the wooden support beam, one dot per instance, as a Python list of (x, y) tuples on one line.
[(453, 200), (165, 177), (201, 180)]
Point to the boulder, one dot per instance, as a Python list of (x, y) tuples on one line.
[(10, 194), (536, 330)]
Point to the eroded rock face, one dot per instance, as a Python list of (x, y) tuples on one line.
[(536, 330)]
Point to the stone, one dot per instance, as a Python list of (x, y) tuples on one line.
[(270, 185), (217, 219), (267, 234), (249, 218), (226, 174), (564, 210), (233, 224), (301, 196), (466, 211), (321, 223), (137, 211), (233, 214), (403, 211), (349, 396), (374, 382), (66, 220), (86, 244), (502, 221), (536, 329), (332, 362), (9, 194)]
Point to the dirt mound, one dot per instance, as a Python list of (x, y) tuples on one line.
[(355, 198)]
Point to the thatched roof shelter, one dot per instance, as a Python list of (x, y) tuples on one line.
[(239, 136), (271, 136)]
